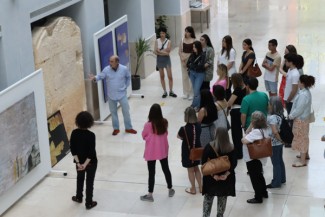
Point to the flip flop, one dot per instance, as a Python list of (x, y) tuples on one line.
[(299, 164), (307, 158), (188, 190)]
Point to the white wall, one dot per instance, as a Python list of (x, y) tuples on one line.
[(184, 6), (168, 7), (140, 16)]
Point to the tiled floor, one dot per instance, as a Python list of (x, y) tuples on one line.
[(122, 172)]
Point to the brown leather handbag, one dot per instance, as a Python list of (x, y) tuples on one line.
[(195, 152), (254, 70), (260, 148), (216, 165)]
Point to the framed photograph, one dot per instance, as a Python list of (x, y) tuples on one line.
[(122, 44), (25, 154)]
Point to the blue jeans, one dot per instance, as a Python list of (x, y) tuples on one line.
[(197, 79), (125, 111), (279, 173)]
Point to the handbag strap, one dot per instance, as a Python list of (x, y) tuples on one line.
[(188, 143), (162, 46), (262, 133), (222, 109), (214, 150)]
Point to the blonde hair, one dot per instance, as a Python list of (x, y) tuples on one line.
[(190, 115), (222, 70)]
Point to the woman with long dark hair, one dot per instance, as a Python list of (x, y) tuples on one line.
[(196, 68), (207, 115), (184, 52), (284, 69), (227, 56), (247, 59), (235, 116), (155, 134), (209, 60)]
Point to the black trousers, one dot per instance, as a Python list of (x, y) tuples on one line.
[(89, 172), (288, 108), (205, 85), (236, 131), (255, 171), (152, 172)]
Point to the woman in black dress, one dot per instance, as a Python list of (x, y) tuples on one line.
[(221, 185), (247, 59), (190, 134), (82, 146)]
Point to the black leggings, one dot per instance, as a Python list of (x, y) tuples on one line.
[(152, 172), (255, 171), (236, 131)]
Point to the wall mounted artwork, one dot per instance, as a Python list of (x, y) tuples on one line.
[(24, 144), (122, 44), (58, 139)]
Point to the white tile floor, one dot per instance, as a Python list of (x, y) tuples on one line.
[(122, 172)]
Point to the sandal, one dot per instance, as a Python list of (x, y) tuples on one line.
[(172, 94), (299, 164), (164, 95), (189, 191)]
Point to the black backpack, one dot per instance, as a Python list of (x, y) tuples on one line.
[(285, 130)]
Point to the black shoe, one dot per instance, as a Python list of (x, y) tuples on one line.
[(254, 200), (172, 94), (75, 199), (164, 95), (266, 195), (91, 205), (287, 145), (269, 186)]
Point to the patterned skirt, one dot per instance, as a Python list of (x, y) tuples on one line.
[(300, 132)]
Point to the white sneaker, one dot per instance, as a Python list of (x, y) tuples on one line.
[(190, 98), (185, 96)]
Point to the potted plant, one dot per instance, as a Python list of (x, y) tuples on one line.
[(141, 46)]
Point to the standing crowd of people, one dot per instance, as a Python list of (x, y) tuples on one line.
[(253, 115)]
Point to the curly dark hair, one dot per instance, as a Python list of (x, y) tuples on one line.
[(84, 120)]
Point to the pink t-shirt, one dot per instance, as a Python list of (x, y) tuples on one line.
[(156, 145), (222, 83)]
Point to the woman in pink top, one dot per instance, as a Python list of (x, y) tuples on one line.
[(222, 73), (155, 134)]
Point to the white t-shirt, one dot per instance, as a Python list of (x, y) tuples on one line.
[(159, 43), (272, 59), (292, 78), (255, 134), (224, 60)]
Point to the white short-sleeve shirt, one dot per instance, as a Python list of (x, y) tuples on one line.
[(292, 78), (222, 59)]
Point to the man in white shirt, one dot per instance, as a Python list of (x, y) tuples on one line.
[(292, 79), (271, 64)]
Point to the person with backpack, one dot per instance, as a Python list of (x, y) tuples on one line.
[(274, 120)]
